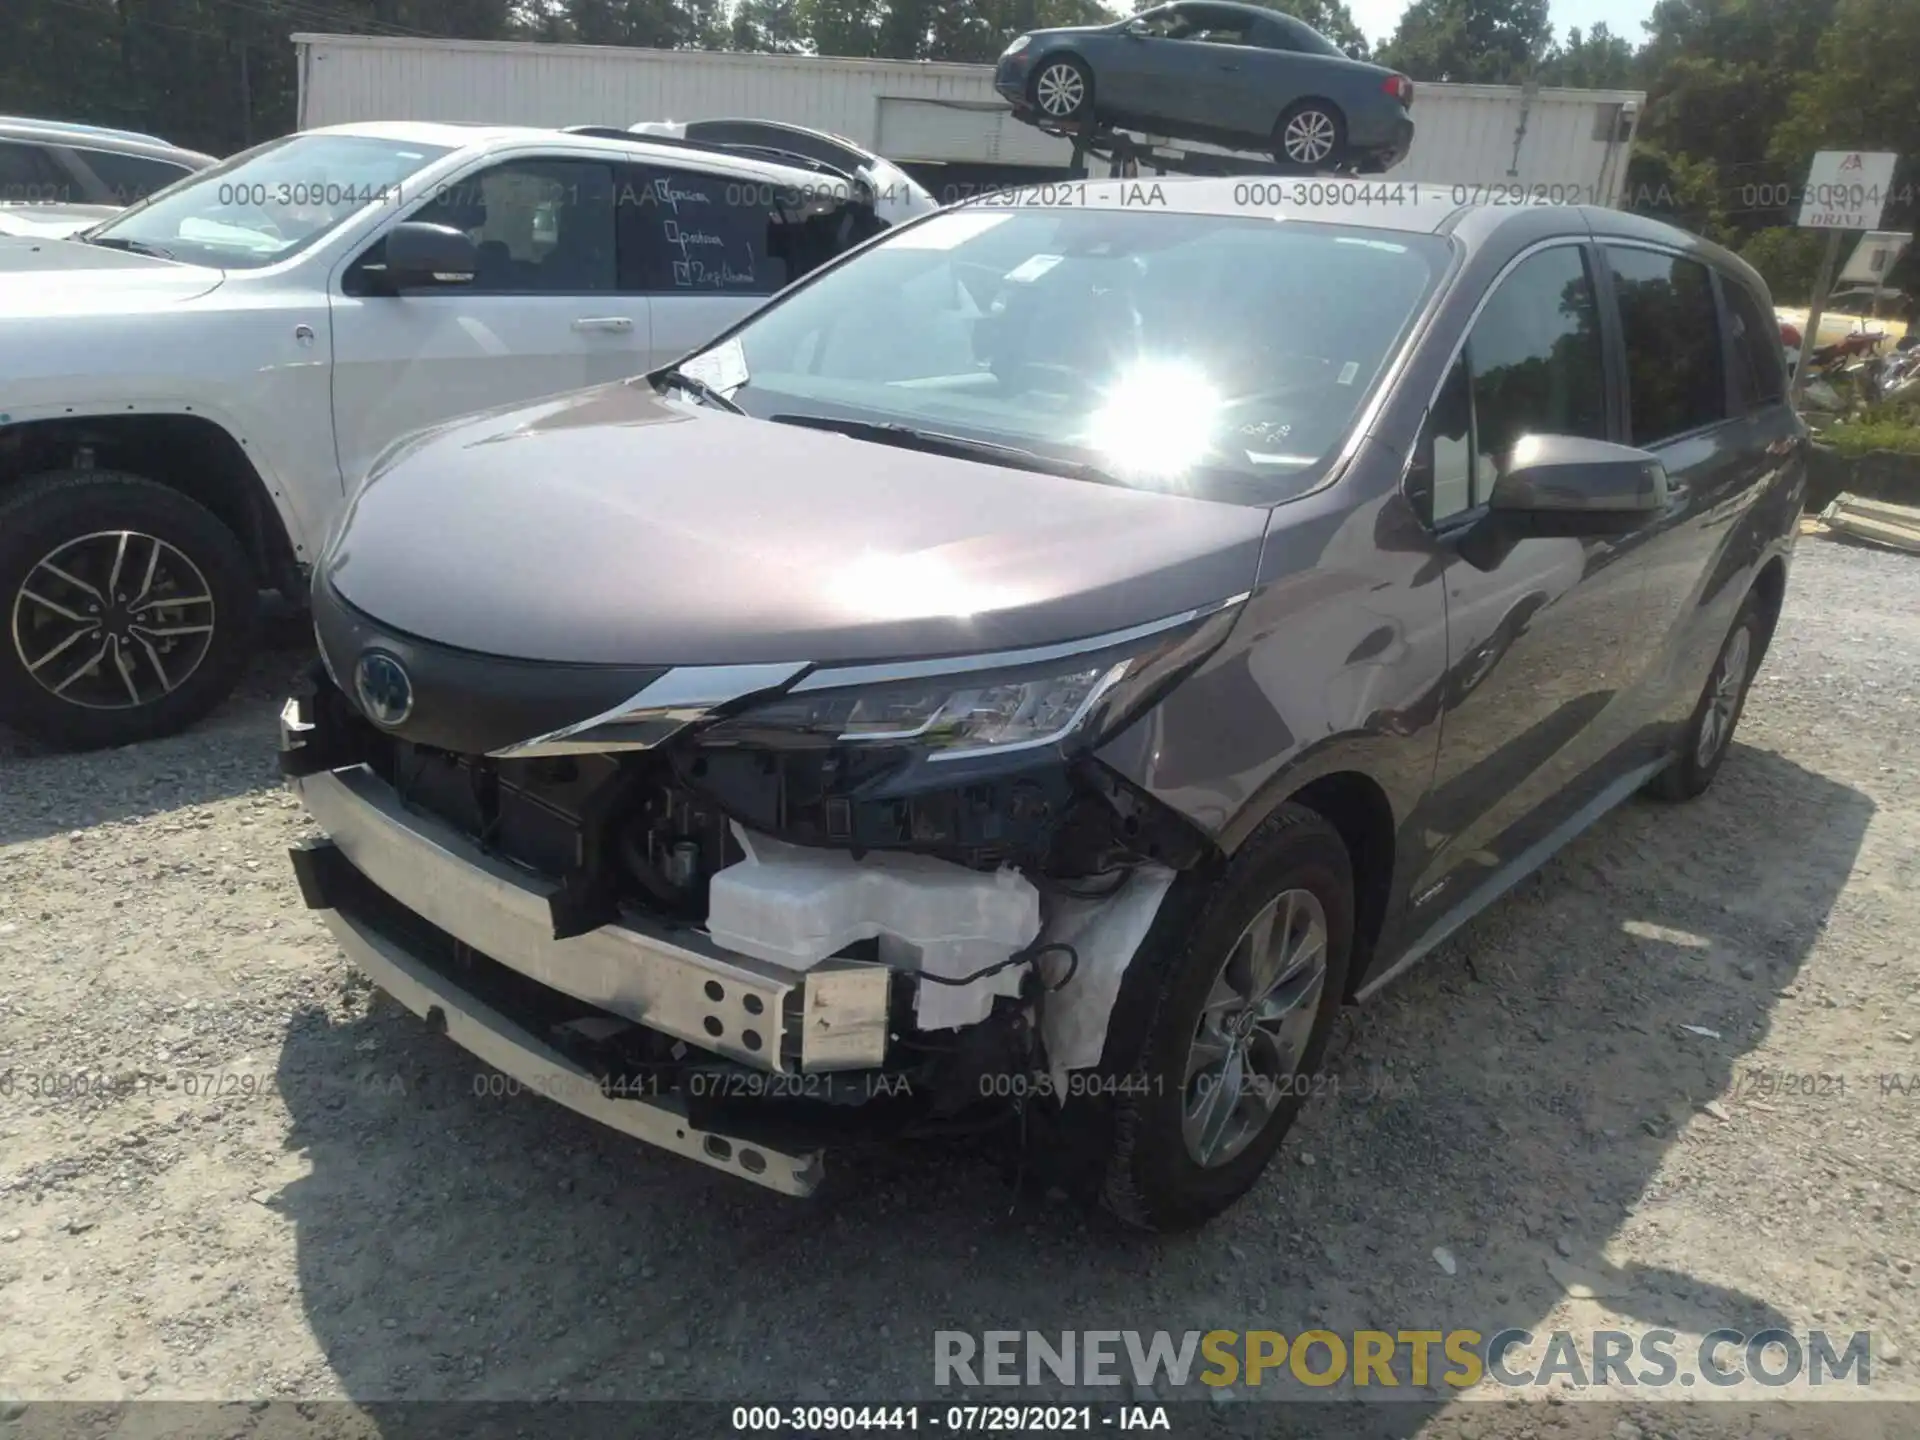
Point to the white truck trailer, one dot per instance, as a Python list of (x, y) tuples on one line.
[(935, 119)]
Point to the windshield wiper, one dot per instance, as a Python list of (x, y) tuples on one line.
[(936, 442), (694, 385), (116, 242)]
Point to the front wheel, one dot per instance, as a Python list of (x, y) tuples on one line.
[(129, 610), (1062, 89), (1236, 1023), (1709, 732)]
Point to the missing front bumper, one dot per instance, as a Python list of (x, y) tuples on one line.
[(497, 1040), (755, 1012), (429, 916)]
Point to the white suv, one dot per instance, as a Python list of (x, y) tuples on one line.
[(190, 390)]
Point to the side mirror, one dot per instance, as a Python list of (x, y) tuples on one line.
[(1560, 485), (423, 256)]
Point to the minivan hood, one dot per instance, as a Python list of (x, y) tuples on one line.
[(616, 527), (43, 276)]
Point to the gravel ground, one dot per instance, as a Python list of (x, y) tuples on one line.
[(345, 1218)]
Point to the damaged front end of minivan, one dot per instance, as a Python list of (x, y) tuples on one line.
[(746, 912)]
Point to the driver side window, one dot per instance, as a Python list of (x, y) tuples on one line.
[(1160, 24), (1532, 365), (542, 226)]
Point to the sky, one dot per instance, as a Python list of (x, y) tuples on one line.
[(1377, 18)]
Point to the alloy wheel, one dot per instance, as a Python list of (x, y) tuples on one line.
[(1723, 704), (1060, 90), (1254, 1028), (1309, 137), (113, 620)]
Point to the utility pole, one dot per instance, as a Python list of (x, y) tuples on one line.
[(1822, 287)]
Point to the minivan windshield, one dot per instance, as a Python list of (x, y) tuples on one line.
[(267, 203), (1208, 352)]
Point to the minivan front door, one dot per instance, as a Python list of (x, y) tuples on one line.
[(1540, 642)]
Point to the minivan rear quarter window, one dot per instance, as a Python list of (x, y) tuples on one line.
[(1759, 364), (1672, 333)]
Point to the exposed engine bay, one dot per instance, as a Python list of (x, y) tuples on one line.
[(996, 913)]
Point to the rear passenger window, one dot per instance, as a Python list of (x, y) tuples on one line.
[(690, 233), (1672, 334), (1760, 365)]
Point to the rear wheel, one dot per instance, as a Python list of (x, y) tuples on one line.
[(1709, 733), (1062, 89), (1237, 1020), (129, 610), (1311, 136)]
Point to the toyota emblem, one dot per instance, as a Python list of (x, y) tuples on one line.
[(385, 691)]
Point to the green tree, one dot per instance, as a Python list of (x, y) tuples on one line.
[(1330, 17), (1470, 41), (768, 25), (1788, 259), (1684, 190), (1863, 93), (1595, 60)]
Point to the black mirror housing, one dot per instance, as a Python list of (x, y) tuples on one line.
[(423, 256), (1561, 487), (1570, 485)]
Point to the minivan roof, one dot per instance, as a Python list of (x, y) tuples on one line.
[(1369, 203)]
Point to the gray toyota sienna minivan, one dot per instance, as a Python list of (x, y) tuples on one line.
[(1043, 664)]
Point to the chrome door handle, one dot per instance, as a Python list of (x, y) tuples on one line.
[(618, 323)]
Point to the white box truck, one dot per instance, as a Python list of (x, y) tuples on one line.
[(942, 122)]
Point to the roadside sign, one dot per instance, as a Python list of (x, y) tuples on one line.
[(1846, 190), (1873, 258)]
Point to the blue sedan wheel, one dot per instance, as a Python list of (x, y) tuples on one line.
[(1063, 89), (1311, 136)]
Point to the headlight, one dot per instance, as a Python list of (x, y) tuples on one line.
[(958, 709), (947, 718), (1016, 47)]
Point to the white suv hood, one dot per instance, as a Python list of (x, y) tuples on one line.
[(66, 277)]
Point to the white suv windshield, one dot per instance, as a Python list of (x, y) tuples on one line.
[(269, 202), (1156, 345)]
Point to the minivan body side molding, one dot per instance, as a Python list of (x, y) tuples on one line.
[(1514, 871)]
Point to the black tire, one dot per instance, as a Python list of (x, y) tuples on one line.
[(50, 512), (1692, 771), (1151, 1180), (1320, 117), (1065, 67)]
